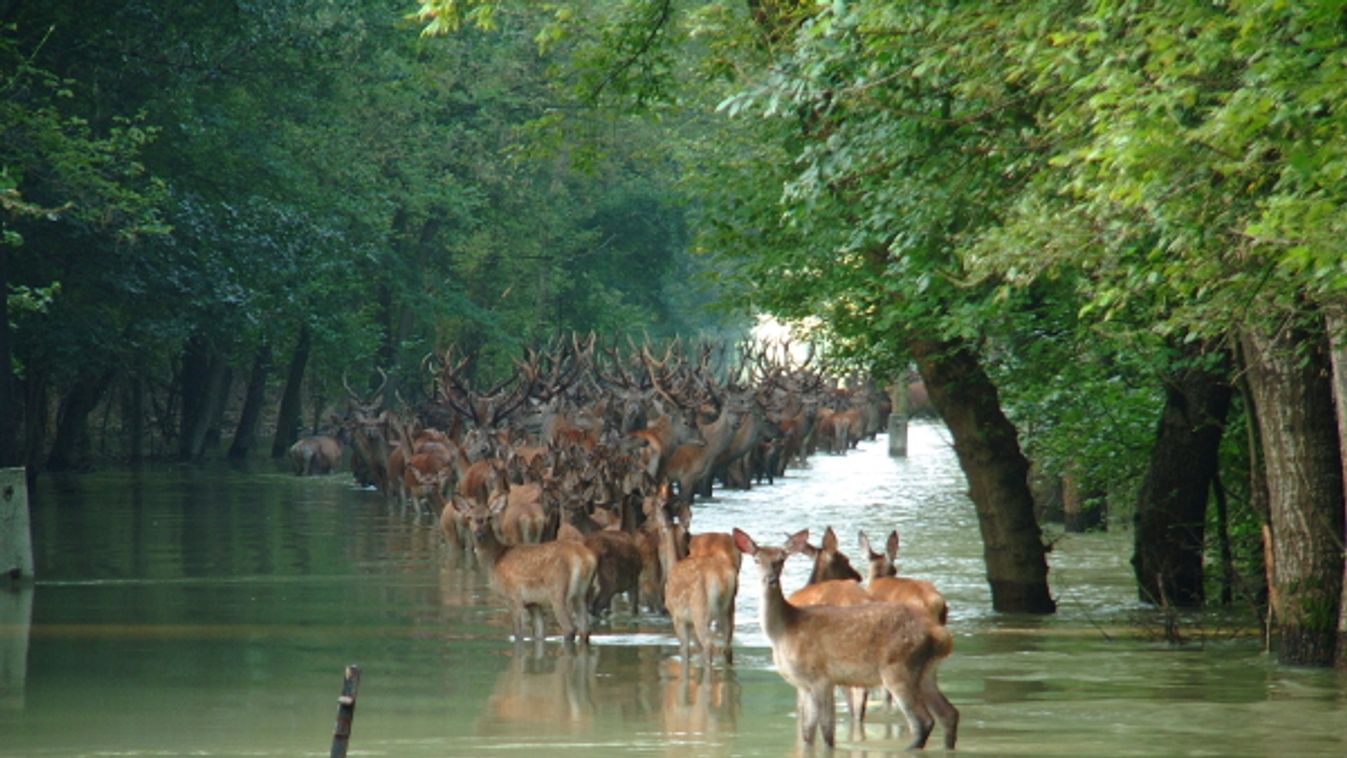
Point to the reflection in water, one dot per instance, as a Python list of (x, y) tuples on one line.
[(544, 688), (698, 703), (211, 612), (16, 621)]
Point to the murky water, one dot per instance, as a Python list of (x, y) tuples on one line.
[(190, 612)]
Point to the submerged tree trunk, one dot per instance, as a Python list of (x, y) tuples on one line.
[(1170, 534), (1288, 376), (998, 474), (204, 372), (9, 398), (288, 417), (245, 435), (1337, 336), (70, 449)]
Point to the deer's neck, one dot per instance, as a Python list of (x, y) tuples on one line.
[(490, 549), (777, 615)]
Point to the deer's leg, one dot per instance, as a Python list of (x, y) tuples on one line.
[(856, 698), (728, 620), (561, 607), (905, 690), (702, 619), (581, 612), (808, 714), (826, 706), (945, 711)]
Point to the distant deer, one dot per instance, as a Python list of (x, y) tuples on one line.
[(559, 573), (698, 590), (885, 584), (818, 648)]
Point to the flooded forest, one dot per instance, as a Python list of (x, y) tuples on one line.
[(438, 337)]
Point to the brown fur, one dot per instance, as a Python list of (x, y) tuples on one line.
[(559, 573), (698, 591), (885, 584), (818, 648)]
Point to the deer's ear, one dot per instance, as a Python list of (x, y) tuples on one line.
[(891, 545), (744, 542), (865, 544), (829, 539), (799, 543)]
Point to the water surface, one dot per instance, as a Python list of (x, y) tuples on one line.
[(189, 611)]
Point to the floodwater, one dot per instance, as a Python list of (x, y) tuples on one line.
[(191, 611)]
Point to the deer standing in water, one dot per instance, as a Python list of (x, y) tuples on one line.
[(559, 573), (818, 648), (698, 590), (885, 584)]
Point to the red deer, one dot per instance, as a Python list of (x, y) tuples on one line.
[(620, 565), (691, 464), (698, 591), (662, 437), (829, 562), (319, 454), (522, 514), (819, 648), (885, 584), (558, 573), (828, 591)]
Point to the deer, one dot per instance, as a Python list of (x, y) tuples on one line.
[(829, 561), (698, 590), (832, 581), (559, 573), (885, 584), (818, 648), (316, 454), (619, 568)]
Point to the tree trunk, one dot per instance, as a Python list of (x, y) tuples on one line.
[(219, 401), (192, 380), (288, 418), (1288, 376), (255, 396), (998, 474), (70, 449), (1337, 335), (1170, 534), (133, 412), (36, 389), (203, 377), (9, 399)]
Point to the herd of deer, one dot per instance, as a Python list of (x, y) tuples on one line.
[(572, 483)]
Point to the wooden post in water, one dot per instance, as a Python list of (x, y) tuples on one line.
[(898, 419), (341, 738), (16, 539), (16, 587)]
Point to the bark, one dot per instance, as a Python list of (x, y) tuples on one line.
[(1289, 380), (70, 448), (133, 412), (9, 399), (36, 389), (1337, 331), (245, 435), (1170, 534), (288, 417), (204, 375), (988, 449), (219, 399)]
